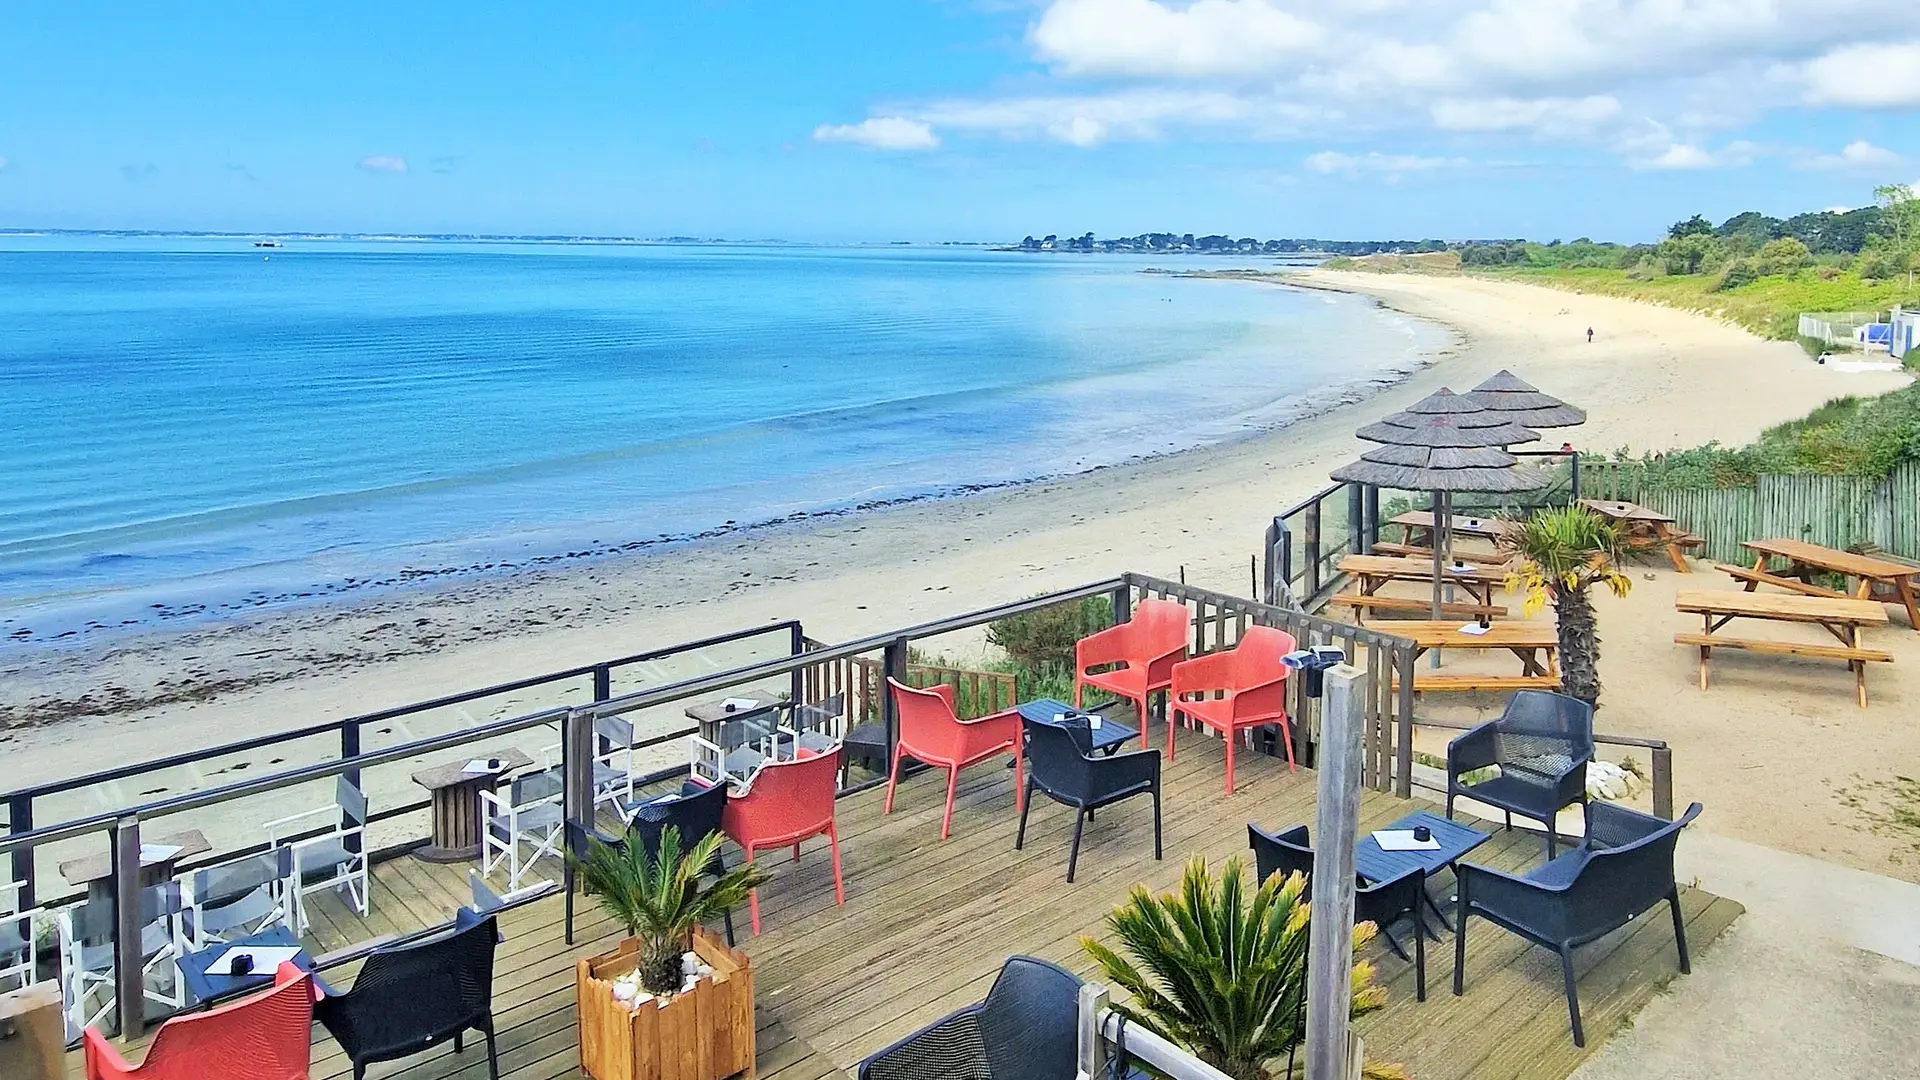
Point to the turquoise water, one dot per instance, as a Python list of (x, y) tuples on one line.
[(196, 428)]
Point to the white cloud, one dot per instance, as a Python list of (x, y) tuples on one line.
[(1332, 161), (1866, 75), (386, 163), (1681, 156), (1859, 154), (1552, 116), (881, 133), (1656, 82), (1148, 38)]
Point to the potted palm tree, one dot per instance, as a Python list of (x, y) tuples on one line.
[(1240, 1010), (1559, 554), (672, 1001)]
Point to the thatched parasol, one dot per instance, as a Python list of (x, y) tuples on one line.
[(1444, 443), (1512, 398)]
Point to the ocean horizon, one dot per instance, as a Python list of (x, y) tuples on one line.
[(200, 429)]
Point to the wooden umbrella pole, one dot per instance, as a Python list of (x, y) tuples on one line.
[(1442, 526)]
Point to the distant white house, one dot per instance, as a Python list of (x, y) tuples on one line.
[(1904, 333)]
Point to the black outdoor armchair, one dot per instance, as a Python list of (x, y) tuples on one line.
[(412, 997), (696, 811), (1622, 868), (1061, 764), (1026, 1029), (1542, 744), (1381, 903)]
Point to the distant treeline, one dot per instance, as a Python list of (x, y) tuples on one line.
[(1221, 244)]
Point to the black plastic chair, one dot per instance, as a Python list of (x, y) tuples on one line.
[(413, 997), (1381, 903), (1542, 744), (696, 811), (1061, 763), (1026, 1029), (1622, 868)]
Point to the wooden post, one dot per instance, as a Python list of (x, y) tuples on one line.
[(1336, 831), (129, 965), (1663, 782), (1357, 519), (1310, 549)]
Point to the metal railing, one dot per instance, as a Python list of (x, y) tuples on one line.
[(1218, 621), (26, 806)]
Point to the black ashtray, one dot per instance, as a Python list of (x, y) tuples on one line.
[(1422, 834), (241, 965), (494, 764), (727, 707)]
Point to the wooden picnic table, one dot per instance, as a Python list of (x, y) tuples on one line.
[(1842, 617), (1535, 643), (1646, 530), (1370, 572), (1416, 527), (1874, 579), (158, 857)]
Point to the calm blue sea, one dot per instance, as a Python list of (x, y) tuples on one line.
[(195, 428)]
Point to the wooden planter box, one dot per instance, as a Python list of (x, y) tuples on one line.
[(703, 1035)]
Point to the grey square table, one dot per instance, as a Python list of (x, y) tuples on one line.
[(1375, 863)]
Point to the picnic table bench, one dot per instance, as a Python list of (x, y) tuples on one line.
[(1647, 530), (1362, 604), (1875, 579), (1535, 643), (1416, 526), (1842, 617), (1370, 572), (1415, 551)]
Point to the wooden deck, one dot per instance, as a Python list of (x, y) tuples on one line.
[(927, 924)]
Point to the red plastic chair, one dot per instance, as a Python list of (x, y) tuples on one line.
[(1146, 647), (787, 802), (1233, 691), (268, 1036), (933, 733)]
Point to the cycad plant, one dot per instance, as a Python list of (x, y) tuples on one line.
[(1222, 973), (661, 898), (1559, 554)]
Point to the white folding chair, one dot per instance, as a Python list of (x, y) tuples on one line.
[(612, 761), (17, 928), (241, 897), (531, 815), (329, 850), (87, 952)]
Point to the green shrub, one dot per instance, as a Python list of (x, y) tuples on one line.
[(1043, 639)]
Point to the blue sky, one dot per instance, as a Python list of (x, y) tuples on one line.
[(950, 119)]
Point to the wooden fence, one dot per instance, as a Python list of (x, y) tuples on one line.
[(1833, 511)]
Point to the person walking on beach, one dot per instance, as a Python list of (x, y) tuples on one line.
[(1589, 335)]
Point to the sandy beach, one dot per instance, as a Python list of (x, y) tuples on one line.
[(1652, 378)]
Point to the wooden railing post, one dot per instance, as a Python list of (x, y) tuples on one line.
[(1663, 782), (1357, 520), (1122, 599), (1310, 549), (797, 644), (1373, 516), (1336, 831), (20, 820), (355, 841), (129, 964), (1403, 724), (893, 666)]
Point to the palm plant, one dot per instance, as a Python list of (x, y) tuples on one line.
[(1559, 554), (1222, 974), (659, 896)]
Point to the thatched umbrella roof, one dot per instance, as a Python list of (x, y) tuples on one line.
[(1515, 400), (1444, 442)]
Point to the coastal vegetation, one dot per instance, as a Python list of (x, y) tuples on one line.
[(1848, 436), (1757, 271)]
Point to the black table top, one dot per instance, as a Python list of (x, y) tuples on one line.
[(207, 988), (1108, 737), (1377, 864)]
